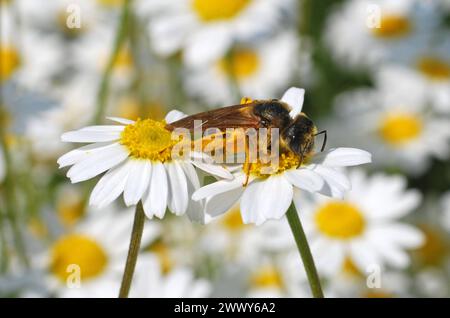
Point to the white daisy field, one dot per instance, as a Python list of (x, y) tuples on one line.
[(253, 149)]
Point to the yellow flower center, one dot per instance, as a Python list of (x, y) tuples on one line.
[(350, 268), (436, 248), (393, 26), (286, 161), (216, 10), (163, 252), (9, 61), (232, 220), (400, 128), (78, 250), (70, 211), (110, 3), (340, 220), (148, 139), (266, 276), (434, 68), (241, 63)]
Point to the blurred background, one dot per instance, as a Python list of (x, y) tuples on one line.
[(377, 77)]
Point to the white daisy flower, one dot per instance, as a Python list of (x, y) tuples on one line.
[(240, 243), (96, 249), (260, 70), (75, 105), (366, 33), (273, 278), (136, 157), (364, 227), (151, 282), (193, 25), (430, 67), (394, 123), (353, 283), (268, 196)]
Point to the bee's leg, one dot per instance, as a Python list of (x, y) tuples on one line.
[(324, 139), (302, 155), (247, 164)]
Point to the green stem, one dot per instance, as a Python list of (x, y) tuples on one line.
[(133, 251), (305, 252), (305, 17), (118, 42), (12, 208)]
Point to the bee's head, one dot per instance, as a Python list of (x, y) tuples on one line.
[(272, 113), (299, 135)]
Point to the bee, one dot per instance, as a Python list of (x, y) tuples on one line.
[(296, 134)]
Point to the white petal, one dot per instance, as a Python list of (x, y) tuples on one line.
[(174, 115), (335, 182), (249, 203), (110, 186), (178, 194), (90, 136), (103, 128), (218, 187), (364, 255), (214, 169), (199, 50), (97, 163), (304, 179), (294, 97), (155, 202), (191, 174), (222, 202), (390, 252), (121, 120), (403, 235), (267, 199), (195, 210), (81, 153), (137, 182), (341, 157)]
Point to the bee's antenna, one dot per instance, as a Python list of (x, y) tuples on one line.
[(324, 139)]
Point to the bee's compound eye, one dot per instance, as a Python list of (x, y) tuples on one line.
[(264, 122)]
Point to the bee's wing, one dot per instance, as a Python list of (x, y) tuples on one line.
[(237, 116)]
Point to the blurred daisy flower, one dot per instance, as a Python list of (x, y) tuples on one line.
[(137, 159), (361, 227), (237, 242), (193, 25), (363, 33), (271, 277), (259, 70), (395, 122), (9, 51), (151, 281), (268, 196), (73, 107), (430, 67), (353, 283), (96, 249)]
